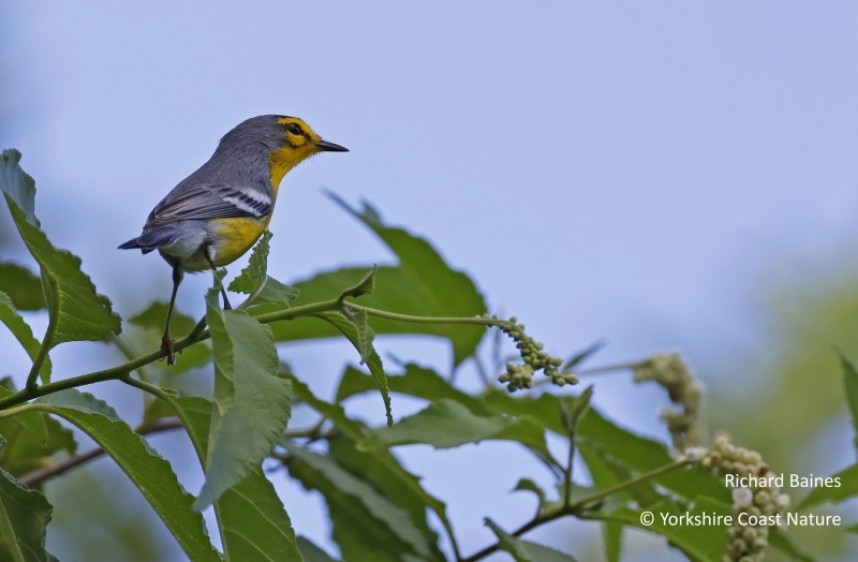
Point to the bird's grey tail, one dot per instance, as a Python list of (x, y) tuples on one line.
[(150, 241)]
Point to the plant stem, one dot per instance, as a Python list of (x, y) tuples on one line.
[(33, 376), (619, 487), (199, 334)]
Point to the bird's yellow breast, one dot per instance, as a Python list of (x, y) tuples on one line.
[(235, 236)]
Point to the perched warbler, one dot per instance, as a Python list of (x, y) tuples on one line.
[(217, 213)]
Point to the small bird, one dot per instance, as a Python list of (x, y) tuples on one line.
[(218, 212)]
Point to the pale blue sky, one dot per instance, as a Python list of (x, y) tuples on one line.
[(630, 170)]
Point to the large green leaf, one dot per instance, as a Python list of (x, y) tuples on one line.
[(421, 284), (22, 332), (705, 542), (151, 474), (252, 402), (446, 423), (843, 486), (22, 285), (77, 312), (24, 513), (366, 523), (253, 523)]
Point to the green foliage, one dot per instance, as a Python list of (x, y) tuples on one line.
[(77, 311), (378, 510), (24, 514)]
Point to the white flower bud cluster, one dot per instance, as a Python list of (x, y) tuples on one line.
[(761, 500), (671, 372), (518, 376)]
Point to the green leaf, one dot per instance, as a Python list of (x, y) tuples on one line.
[(508, 543), (364, 520), (24, 513), (417, 381), (398, 486), (311, 552), (363, 287), (446, 423), (77, 312), (542, 553), (151, 474), (421, 284), (363, 334), (254, 281), (847, 487), (22, 285), (22, 332), (526, 551), (850, 380), (612, 534), (700, 543), (638, 453), (253, 523), (373, 361), (779, 541), (379, 467), (32, 438), (252, 401)]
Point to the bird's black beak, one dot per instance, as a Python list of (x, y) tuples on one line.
[(330, 147)]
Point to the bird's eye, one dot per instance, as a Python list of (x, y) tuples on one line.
[(294, 128)]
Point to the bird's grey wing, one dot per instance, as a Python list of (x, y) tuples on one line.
[(210, 201)]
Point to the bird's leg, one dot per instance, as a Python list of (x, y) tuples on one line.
[(207, 253), (168, 344)]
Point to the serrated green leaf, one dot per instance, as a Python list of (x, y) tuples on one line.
[(24, 514), (446, 423), (253, 402), (152, 475), (254, 281), (373, 361), (33, 422), (379, 467), (22, 332), (358, 510), (77, 311), (253, 523), (421, 284), (399, 486), (311, 552), (253, 275), (847, 488), (607, 472), (22, 285), (850, 381), (363, 334)]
